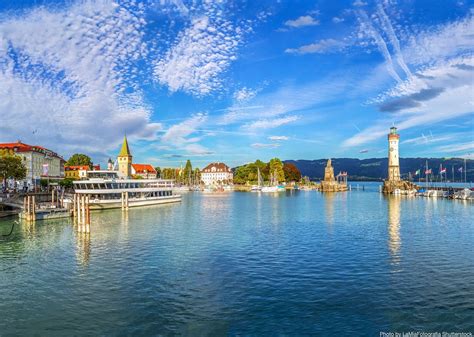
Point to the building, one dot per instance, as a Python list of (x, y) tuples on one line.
[(39, 161), (110, 165), (394, 182), (217, 174), (146, 171), (76, 171), (393, 158), (125, 160), (126, 168), (330, 184)]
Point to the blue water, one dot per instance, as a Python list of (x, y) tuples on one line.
[(244, 264)]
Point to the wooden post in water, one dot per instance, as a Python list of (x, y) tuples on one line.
[(126, 201), (87, 224)]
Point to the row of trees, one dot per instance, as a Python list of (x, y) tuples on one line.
[(185, 176), (282, 172)]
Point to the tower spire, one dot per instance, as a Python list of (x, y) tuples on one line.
[(125, 150)]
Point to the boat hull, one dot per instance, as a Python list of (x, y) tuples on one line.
[(110, 204)]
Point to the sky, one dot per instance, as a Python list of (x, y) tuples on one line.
[(236, 81)]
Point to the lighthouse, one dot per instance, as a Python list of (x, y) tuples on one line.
[(393, 158)]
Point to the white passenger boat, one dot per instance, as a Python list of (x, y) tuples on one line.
[(113, 193)]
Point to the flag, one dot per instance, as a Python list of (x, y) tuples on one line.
[(428, 171), (443, 170), (417, 172), (460, 169), (45, 169)]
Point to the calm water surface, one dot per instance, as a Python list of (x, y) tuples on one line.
[(245, 264)]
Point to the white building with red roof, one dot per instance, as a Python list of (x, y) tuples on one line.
[(146, 171), (40, 162), (217, 174)]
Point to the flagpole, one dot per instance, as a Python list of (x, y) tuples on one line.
[(465, 171), (426, 174)]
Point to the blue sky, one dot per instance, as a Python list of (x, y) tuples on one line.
[(237, 81)]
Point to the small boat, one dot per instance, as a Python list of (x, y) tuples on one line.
[(464, 194), (274, 187)]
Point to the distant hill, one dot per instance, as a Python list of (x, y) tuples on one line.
[(376, 168)]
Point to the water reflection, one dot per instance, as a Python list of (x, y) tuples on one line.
[(394, 241), (83, 248), (329, 207)]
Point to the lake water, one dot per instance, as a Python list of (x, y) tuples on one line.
[(246, 264)]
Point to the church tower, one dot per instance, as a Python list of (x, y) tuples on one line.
[(393, 158), (125, 160)]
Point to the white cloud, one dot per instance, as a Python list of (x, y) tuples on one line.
[(265, 146), (459, 147), (271, 123), (63, 74), (202, 52), (302, 21), (447, 104), (359, 3), (441, 43), (322, 46), (337, 19), (178, 134), (197, 150), (287, 99), (244, 94), (278, 138), (367, 29)]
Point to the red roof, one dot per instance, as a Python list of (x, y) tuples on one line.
[(76, 167), (22, 147), (220, 167), (143, 168)]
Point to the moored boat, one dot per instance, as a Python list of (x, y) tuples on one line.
[(113, 193)]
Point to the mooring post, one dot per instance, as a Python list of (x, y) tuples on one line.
[(122, 200), (83, 215), (126, 201), (79, 209)]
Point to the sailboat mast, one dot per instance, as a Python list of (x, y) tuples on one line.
[(426, 174)]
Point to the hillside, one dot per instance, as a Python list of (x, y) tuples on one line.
[(376, 168)]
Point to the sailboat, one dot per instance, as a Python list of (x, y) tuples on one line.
[(274, 187), (258, 187)]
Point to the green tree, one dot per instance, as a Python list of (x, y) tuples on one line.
[(197, 176), (12, 166), (292, 173), (276, 167), (158, 171), (187, 173), (79, 159), (67, 183)]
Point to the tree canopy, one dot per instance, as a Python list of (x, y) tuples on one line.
[(187, 174), (291, 172), (248, 173), (79, 159), (276, 168), (12, 166)]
